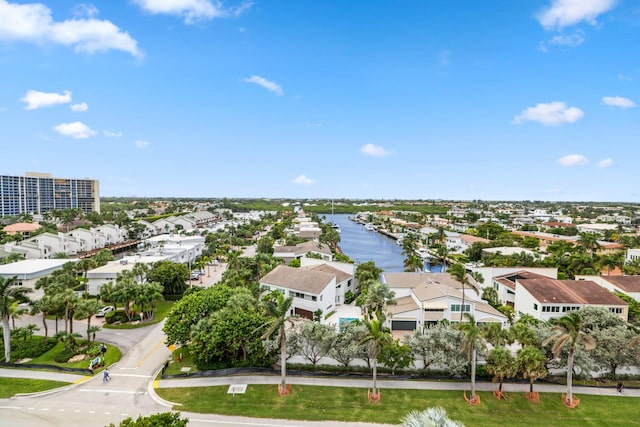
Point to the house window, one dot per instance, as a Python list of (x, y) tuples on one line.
[(535, 307), (616, 310), (456, 307)]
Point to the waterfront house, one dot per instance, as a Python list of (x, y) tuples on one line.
[(546, 298), (344, 272), (428, 298), (311, 290), (628, 285), (289, 253)]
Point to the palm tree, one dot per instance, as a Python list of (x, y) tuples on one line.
[(472, 338), (277, 308), (85, 265), (531, 364), (567, 332), (15, 311), (378, 336), (10, 292), (501, 364), (459, 273), (85, 310), (589, 242), (373, 301)]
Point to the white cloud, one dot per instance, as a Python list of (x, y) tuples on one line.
[(141, 144), (573, 160), (269, 85), (605, 163), (79, 108), (618, 101), (565, 13), (303, 180), (76, 130), (374, 150), (110, 134), (33, 23), (193, 11), (3, 109), (552, 113), (571, 40), (624, 77), (35, 99), (83, 10)]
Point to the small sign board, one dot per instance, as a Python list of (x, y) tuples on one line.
[(237, 389)]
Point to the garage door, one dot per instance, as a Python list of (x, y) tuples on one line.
[(403, 325), (306, 314)]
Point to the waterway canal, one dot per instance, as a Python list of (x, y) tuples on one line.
[(362, 245)]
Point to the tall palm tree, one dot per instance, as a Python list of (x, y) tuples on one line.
[(378, 336), (85, 310), (85, 265), (277, 307), (589, 242), (375, 299), (10, 292), (567, 332), (472, 338), (459, 273)]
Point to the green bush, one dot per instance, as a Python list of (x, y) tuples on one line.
[(64, 355), (115, 316), (30, 348)]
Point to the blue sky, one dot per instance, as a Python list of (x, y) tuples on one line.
[(438, 99)]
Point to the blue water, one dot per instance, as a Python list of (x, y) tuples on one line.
[(362, 245)]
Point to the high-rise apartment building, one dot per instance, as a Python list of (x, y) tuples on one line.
[(37, 193)]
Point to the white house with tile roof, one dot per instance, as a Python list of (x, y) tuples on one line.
[(299, 251), (427, 298), (311, 290), (628, 285), (546, 298)]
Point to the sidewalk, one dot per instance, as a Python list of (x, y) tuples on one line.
[(43, 375), (390, 384)]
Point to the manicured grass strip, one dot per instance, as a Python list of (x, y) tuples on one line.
[(351, 404), (12, 386), (112, 355), (162, 309)]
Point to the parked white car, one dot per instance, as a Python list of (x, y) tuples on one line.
[(104, 310)]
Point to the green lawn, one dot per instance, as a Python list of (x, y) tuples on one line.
[(112, 355), (12, 386), (351, 404), (162, 309)]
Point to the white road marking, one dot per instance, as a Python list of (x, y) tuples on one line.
[(10, 407), (60, 410), (132, 375), (112, 391)]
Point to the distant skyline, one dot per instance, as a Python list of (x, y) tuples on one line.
[(405, 99)]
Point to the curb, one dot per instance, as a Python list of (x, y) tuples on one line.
[(152, 385), (54, 390)]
